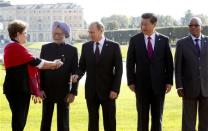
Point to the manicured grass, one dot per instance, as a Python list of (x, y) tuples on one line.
[(126, 108), (124, 48), (126, 112), (38, 45), (34, 45)]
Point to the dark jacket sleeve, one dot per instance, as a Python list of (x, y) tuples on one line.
[(178, 64), (74, 69), (82, 63), (118, 66), (169, 64), (35, 62), (130, 63)]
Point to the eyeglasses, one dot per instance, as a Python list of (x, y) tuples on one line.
[(59, 34), (194, 25)]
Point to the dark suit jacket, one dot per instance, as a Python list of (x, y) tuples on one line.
[(144, 72), (16, 79), (55, 82), (191, 71), (104, 76)]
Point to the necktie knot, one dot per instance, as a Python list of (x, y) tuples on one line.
[(149, 38), (196, 40)]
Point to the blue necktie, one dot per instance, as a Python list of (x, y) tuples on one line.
[(197, 46)]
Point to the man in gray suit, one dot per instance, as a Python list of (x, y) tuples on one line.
[(191, 72)]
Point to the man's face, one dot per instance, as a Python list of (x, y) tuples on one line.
[(94, 33), (147, 27), (195, 28), (58, 35)]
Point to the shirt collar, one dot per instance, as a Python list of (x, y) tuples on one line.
[(152, 36), (193, 37), (101, 41), (60, 44)]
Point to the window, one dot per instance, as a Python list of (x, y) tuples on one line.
[(39, 26)]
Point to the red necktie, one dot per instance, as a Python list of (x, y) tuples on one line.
[(149, 48)]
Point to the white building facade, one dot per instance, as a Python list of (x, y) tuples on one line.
[(41, 17)]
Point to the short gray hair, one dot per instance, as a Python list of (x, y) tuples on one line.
[(99, 25), (198, 20)]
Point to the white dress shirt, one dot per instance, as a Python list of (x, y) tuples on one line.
[(199, 42), (100, 46), (152, 40)]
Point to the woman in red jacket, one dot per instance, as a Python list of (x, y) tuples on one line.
[(22, 74)]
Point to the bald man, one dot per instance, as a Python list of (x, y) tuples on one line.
[(191, 72)]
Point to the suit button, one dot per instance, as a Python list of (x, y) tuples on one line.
[(199, 67), (198, 58)]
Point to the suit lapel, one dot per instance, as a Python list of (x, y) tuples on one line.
[(91, 50), (104, 48), (191, 44), (143, 46), (157, 41), (203, 45)]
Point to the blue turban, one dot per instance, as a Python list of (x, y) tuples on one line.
[(63, 26)]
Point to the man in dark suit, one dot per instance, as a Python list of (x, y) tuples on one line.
[(101, 60), (55, 84), (191, 73), (149, 72)]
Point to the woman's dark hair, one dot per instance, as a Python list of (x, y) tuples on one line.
[(16, 26)]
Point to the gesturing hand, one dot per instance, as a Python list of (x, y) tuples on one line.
[(70, 98), (180, 92), (58, 63), (113, 95), (132, 87), (74, 78), (167, 88)]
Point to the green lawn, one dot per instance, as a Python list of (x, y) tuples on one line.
[(126, 112), (34, 45), (126, 108), (38, 45)]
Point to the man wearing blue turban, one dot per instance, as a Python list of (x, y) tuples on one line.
[(63, 26), (55, 84)]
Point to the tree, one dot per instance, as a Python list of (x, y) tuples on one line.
[(164, 21), (134, 22), (204, 18), (83, 36), (112, 25), (122, 21), (185, 20)]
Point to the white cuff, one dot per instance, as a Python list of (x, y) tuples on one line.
[(40, 66)]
